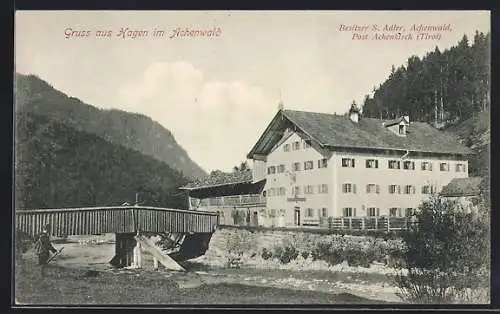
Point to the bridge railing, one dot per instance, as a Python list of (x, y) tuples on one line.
[(122, 219)]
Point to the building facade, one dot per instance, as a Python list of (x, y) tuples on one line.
[(318, 165)]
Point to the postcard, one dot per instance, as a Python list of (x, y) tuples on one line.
[(220, 158)]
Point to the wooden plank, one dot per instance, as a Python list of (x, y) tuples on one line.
[(164, 259)]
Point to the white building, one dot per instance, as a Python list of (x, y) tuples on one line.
[(324, 165)]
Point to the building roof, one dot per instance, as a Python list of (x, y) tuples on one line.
[(394, 121), (219, 178), (462, 187), (334, 131)]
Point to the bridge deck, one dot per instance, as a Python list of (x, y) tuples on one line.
[(121, 219)]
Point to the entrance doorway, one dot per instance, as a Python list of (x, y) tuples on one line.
[(297, 216)]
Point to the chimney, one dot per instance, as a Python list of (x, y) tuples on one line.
[(354, 113), (280, 105)]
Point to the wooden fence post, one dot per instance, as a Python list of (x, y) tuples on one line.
[(388, 224), (376, 223), (363, 223), (350, 223), (342, 223)]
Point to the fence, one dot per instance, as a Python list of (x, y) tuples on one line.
[(382, 223)]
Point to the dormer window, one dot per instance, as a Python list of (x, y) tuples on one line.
[(398, 126), (402, 129)]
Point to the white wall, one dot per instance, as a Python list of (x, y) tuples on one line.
[(335, 175), (312, 177), (383, 176)]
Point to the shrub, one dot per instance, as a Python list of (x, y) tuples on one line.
[(287, 254), (446, 253), (266, 254), (327, 252)]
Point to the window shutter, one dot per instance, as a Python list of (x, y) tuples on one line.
[(353, 164), (367, 188), (378, 211), (367, 163), (412, 165), (354, 212), (378, 189), (399, 189), (430, 166), (354, 188), (399, 212), (413, 189), (376, 163)]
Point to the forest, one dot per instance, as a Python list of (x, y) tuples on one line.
[(57, 166), (443, 88)]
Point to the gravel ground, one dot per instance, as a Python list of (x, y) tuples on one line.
[(288, 284)]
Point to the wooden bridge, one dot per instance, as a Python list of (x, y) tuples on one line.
[(189, 230)]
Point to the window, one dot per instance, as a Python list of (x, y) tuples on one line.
[(271, 192), (282, 191), (394, 164), (349, 188), (393, 189), (444, 166), (271, 170), (324, 212), (310, 212), (373, 211), (426, 166), (460, 168), (296, 166), (402, 129), (348, 162), (281, 168), (372, 188), (348, 212), (323, 188), (308, 189), (322, 163), (296, 145), (409, 212), (409, 165), (371, 163), (427, 189), (286, 147), (395, 212), (308, 165), (306, 145), (272, 213), (296, 190), (409, 189)]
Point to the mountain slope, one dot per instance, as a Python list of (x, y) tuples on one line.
[(134, 131), (475, 132), (58, 166)]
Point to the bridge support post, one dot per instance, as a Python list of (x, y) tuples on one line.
[(125, 244)]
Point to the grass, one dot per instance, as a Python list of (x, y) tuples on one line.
[(66, 286)]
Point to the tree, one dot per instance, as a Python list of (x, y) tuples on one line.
[(242, 167), (447, 257)]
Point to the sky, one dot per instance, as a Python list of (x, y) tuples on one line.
[(217, 94)]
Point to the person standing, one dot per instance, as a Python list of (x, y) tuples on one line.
[(43, 247)]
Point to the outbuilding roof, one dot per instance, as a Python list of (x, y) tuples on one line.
[(462, 187)]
